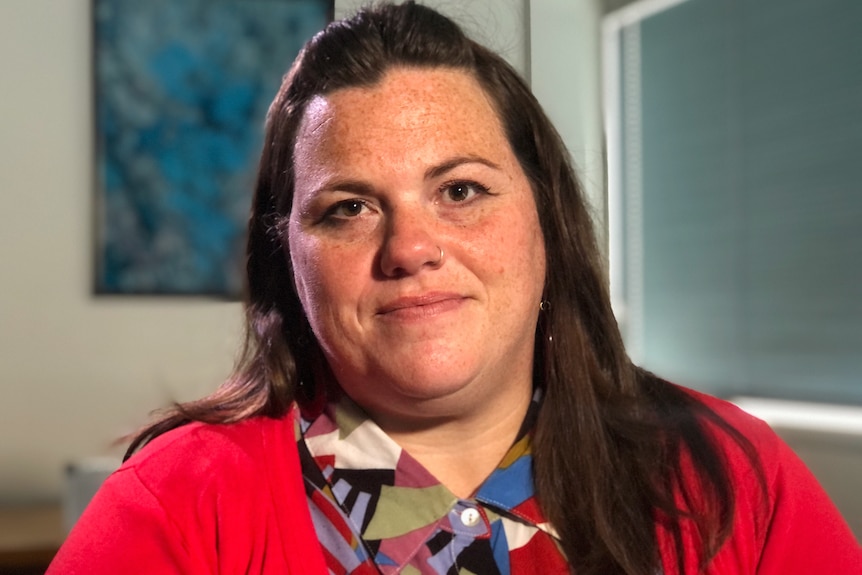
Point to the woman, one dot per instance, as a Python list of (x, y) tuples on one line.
[(424, 284)]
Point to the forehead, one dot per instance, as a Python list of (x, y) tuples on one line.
[(408, 106)]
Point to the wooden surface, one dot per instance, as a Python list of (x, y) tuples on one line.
[(29, 537)]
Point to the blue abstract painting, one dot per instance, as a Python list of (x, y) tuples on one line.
[(182, 89)]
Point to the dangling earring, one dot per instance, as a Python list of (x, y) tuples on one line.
[(544, 306)]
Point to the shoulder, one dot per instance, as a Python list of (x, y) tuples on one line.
[(211, 460), (731, 423), (233, 488), (201, 499), (199, 446), (755, 456), (784, 522)]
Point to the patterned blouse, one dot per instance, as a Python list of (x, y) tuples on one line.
[(377, 510)]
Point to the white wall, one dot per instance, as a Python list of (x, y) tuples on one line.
[(566, 78), (78, 371)]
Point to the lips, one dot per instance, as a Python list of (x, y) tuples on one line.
[(423, 305)]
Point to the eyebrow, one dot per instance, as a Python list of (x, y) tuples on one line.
[(439, 170), (360, 187), (346, 185)]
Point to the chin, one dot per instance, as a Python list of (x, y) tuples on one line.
[(429, 386), (423, 391)]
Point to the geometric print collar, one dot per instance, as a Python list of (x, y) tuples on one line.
[(396, 508)]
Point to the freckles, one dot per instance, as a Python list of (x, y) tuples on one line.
[(304, 252)]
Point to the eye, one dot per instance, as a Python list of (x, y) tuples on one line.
[(462, 191), (346, 209)]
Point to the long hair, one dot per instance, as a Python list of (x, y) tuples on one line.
[(601, 418)]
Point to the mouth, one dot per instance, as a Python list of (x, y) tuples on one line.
[(425, 305)]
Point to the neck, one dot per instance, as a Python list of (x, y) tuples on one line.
[(462, 452)]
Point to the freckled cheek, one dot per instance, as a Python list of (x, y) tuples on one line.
[(511, 248), (321, 273), (520, 258), (305, 260)]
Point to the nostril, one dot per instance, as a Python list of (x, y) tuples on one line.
[(399, 257)]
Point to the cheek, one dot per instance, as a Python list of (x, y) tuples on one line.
[(528, 259), (304, 260), (321, 277), (514, 248)]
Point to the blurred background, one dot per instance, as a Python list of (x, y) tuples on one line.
[(717, 141), (734, 132)]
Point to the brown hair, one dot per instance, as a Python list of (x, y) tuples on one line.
[(601, 418)]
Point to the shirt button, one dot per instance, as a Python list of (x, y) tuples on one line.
[(470, 517)]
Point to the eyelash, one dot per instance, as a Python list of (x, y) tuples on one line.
[(331, 215), (449, 186)]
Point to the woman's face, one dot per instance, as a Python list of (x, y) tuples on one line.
[(416, 246)]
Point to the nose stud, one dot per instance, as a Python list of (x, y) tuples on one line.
[(439, 259)]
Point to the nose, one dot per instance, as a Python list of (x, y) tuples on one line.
[(410, 245)]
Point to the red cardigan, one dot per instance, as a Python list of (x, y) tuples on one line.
[(201, 499), (230, 499)]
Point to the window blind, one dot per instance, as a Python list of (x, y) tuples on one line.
[(738, 199)]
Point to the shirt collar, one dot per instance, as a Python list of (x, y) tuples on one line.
[(387, 494)]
